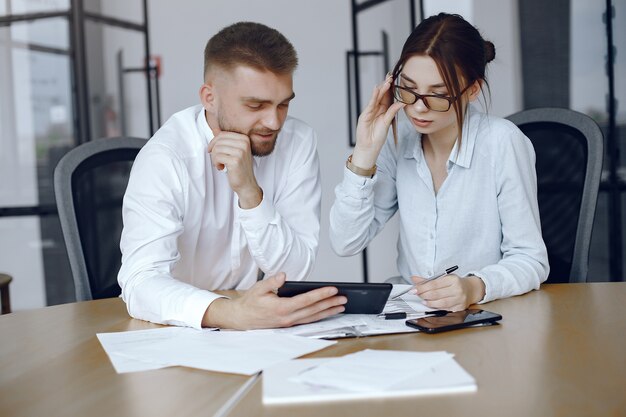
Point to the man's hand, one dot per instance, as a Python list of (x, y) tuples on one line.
[(449, 292), (260, 307), (232, 151)]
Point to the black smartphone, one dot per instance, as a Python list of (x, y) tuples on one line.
[(362, 298), (454, 320)]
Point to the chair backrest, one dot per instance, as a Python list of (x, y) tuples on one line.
[(569, 147), (89, 184)]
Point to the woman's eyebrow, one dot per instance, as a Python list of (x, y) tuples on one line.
[(438, 85), (407, 79)]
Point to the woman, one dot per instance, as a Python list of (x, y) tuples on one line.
[(462, 181)]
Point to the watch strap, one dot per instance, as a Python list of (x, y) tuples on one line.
[(360, 171)]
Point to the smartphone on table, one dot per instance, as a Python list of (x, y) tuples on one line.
[(454, 320)]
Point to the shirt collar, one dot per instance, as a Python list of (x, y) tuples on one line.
[(203, 126), (462, 158)]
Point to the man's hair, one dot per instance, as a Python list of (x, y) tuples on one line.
[(253, 45)]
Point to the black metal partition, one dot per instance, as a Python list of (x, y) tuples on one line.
[(353, 59)]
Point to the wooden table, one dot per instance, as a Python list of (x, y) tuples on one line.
[(560, 351)]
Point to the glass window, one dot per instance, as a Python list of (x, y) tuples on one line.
[(33, 6), (588, 82), (21, 257), (35, 113), (51, 33), (589, 85), (117, 86), (127, 10)]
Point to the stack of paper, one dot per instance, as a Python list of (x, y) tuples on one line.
[(222, 351), (365, 374)]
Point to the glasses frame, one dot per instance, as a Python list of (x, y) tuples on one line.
[(424, 97)]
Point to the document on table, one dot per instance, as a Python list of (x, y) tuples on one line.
[(221, 351), (364, 375), (357, 325)]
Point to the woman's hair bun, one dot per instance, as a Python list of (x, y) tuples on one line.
[(490, 51)]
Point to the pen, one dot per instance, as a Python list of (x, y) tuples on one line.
[(403, 315), (446, 272)]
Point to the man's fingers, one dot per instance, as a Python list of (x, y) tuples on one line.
[(321, 315), (306, 313), (311, 297), (227, 154), (233, 139), (231, 147), (271, 284)]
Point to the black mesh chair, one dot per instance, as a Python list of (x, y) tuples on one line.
[(89, 184), (569, 148)]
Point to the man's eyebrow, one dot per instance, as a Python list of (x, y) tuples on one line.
[(439, 85), (265, 101)]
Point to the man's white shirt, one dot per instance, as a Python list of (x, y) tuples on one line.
[(185, 234)]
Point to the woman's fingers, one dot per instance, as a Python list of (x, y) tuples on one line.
[(392, 111)]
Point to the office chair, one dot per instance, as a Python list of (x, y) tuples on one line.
[(89, 184), (569, 147)]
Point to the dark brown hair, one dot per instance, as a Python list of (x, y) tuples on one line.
[(253, 45), (458, 49)]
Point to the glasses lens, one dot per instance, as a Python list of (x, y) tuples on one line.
[(403, 95), (437, 104)]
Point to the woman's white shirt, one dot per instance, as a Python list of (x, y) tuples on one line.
[(484, 218)]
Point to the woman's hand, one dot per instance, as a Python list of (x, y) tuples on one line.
[(373, 125), (449, 292)]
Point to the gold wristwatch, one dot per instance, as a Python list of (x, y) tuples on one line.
[(360, 171)]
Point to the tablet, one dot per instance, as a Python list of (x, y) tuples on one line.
[(362, 298)]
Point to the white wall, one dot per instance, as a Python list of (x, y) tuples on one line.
[(321, 33)]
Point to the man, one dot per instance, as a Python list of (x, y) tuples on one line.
[(223, 190)]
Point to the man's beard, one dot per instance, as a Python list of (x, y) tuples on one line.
[(258, 149)]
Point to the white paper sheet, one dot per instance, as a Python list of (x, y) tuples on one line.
[(222, 351), (371, 370), (446, 378), (116, 344), (407, 303)]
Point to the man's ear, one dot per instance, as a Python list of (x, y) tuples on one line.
[(475, 89), (207, 96)]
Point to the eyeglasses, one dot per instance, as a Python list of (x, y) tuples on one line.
[(431, 101)]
